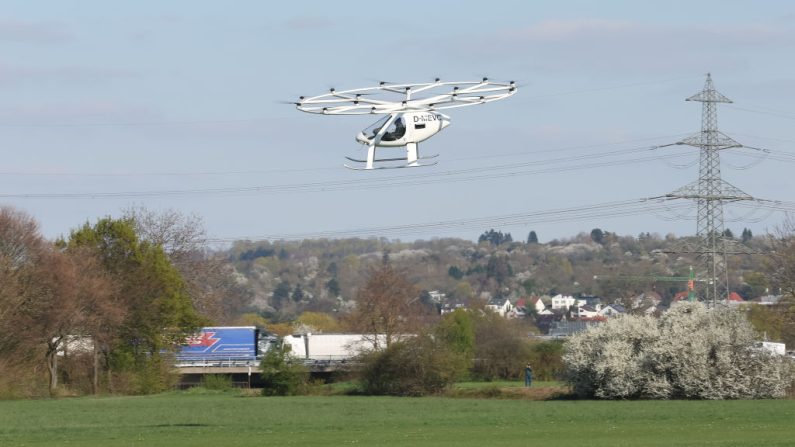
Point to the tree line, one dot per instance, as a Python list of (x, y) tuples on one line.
[(100, 309)]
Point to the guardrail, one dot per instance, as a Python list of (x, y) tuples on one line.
[(215, 361), (313, 363)]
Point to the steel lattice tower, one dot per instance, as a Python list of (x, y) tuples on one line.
[(710, 192)]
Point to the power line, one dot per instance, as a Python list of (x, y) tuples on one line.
[(601, 210), (606, 210), (607, 88), (330, 168), (462, 175), (765, 112)]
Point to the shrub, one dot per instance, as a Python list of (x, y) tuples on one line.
[(416, 366), (689, 353), (217, 382), (21, 380), (501, 349), (282, 375), (546, 359), (457, 331), (153, 375)]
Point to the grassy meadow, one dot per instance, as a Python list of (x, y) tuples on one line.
[(226, 419)]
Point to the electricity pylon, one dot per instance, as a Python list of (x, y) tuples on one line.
[(710, 192)]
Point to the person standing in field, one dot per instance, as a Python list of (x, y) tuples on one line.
[(528, 375)]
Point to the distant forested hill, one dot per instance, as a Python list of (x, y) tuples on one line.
[(289, 277)]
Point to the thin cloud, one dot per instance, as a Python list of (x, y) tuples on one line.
[(69, 114), (587, 30), (567, 30), (609, 46), (305, 23), (33, 32), (10, 74)]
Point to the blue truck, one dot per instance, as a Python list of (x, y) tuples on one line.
[(220, 345)]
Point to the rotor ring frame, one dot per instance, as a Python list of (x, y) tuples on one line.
[(457, 94)]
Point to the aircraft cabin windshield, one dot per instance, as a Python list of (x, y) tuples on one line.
[(395, 131)]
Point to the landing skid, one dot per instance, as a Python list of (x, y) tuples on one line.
[(413, 165), (357, 160)]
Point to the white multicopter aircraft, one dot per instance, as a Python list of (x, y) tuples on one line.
[(411, 113)]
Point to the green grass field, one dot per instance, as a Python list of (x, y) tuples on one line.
[(226, 419)]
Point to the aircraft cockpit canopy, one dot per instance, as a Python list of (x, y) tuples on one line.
[(395, 131)]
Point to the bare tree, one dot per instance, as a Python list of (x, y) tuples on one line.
[(57, 318), (102, 308), (181, 236), (781, 266), (20, 240), (78, 304), (214, 291), (21, 246), (386, 307)]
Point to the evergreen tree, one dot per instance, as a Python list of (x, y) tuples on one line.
[(495, 237), (455, 272), (298, 293), (332, 269), (281, 293), (499, 269), (597, 235), (532, 238), (333, 287)]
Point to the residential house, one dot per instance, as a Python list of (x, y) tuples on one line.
[(681, 296), (499, 305), (768, 300), (519, 307), (532, 304), (612, 310), (645, 300), (437, 296), (734, 299), (451, 307), (586, 311), (591, 300), (564, 302)]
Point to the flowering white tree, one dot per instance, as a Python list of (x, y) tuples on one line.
[(689, 353)]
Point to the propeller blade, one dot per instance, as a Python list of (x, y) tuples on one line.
[(295, 103)]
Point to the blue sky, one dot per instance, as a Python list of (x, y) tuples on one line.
[(140, 97)]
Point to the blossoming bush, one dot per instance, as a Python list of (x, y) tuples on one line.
[(691, 352)]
